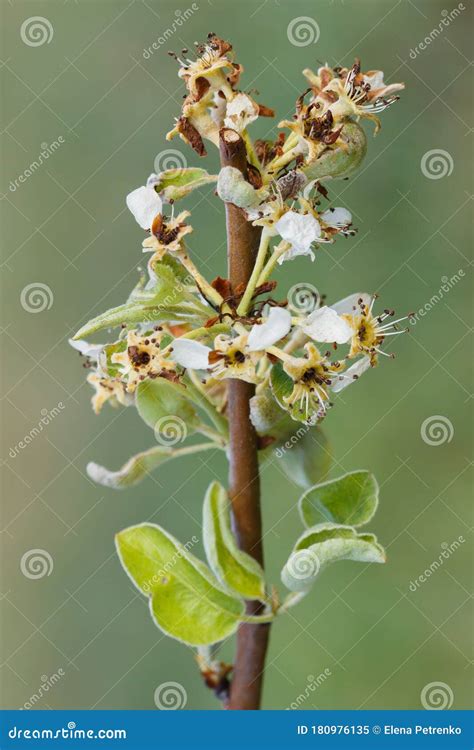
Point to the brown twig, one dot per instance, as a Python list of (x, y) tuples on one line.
[(244, 485)]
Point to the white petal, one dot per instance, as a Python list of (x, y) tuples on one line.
[(299, 229), (326, 326), (337, 217), (275, 328), (346, 306), (240, 112), (152, 180), (88, 350), (294, 253), (190, 354), (346, 378), (145, 204), (375, 80)]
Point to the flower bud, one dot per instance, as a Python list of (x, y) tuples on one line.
[(340, 161)]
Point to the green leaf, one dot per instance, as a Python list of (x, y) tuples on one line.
[(139, 466), (177, 183), (186, 601), (140, 312), (235, 569), (305, 455), (166, 408), (351, 499), (322, 545), (164, 297)]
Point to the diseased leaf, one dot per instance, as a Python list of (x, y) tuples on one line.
[(305, 455), (186, 601), (351, 499), (322, 545), (174, 184), (137, 467), (165, 407), (235, 569)]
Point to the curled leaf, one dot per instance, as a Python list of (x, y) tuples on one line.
[(322, 545), (236, 570)]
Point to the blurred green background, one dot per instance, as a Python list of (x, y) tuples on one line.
[(92, 87)]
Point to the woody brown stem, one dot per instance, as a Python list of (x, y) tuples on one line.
[(244, 484)]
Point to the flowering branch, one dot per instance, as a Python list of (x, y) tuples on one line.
[(235, 361)]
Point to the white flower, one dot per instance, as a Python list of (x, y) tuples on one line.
[(337, 217), (326, 326), (145, 204), (300, 230), (190, 354), (240, 112), (351, 374), (276, 327)]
